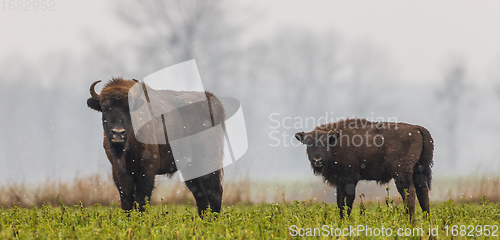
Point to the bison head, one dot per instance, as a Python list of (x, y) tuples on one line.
[(114, 105), (318, 143)]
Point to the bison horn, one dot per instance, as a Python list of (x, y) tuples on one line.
[(92, 91)]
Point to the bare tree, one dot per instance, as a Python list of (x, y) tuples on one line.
[(452, 96), (174, 31), (368, 71), (299, 66), (313, 68)]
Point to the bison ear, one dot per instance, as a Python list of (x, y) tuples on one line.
[(332, 137), (94, 104), (300, 137)]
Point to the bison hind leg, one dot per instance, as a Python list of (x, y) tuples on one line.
[(423, 198), (201, 200), (422, 182), (207, 190), (212, 186), (422, 190), (407, 190)]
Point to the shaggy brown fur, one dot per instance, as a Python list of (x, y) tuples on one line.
[(348, 151), (135, 164)]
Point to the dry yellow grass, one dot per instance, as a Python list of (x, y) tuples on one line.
[(88, 190), (97, 189)]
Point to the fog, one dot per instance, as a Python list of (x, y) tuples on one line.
[(285, 78)]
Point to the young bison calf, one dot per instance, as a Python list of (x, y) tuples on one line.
[(348, 151)]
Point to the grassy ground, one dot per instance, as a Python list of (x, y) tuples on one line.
[(243, 221), (97, 189), (88, 208)]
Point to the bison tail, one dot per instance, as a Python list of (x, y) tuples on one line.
[(422, 172)]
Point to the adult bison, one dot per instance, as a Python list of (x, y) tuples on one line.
[(135, 163), (348, 151)]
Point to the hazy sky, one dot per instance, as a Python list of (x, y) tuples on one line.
[(419, 37)]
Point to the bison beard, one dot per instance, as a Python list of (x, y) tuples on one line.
[(135, 164), (405, 155)]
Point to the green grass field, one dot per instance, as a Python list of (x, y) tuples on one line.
[(258, 221)]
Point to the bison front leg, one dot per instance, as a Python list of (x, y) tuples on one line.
[(340, 200), (125, 185), (346, 193), (407, 190), (144, 187), (350, 195)]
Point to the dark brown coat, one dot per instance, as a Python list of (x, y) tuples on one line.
[(135, 164), (348, 151)]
